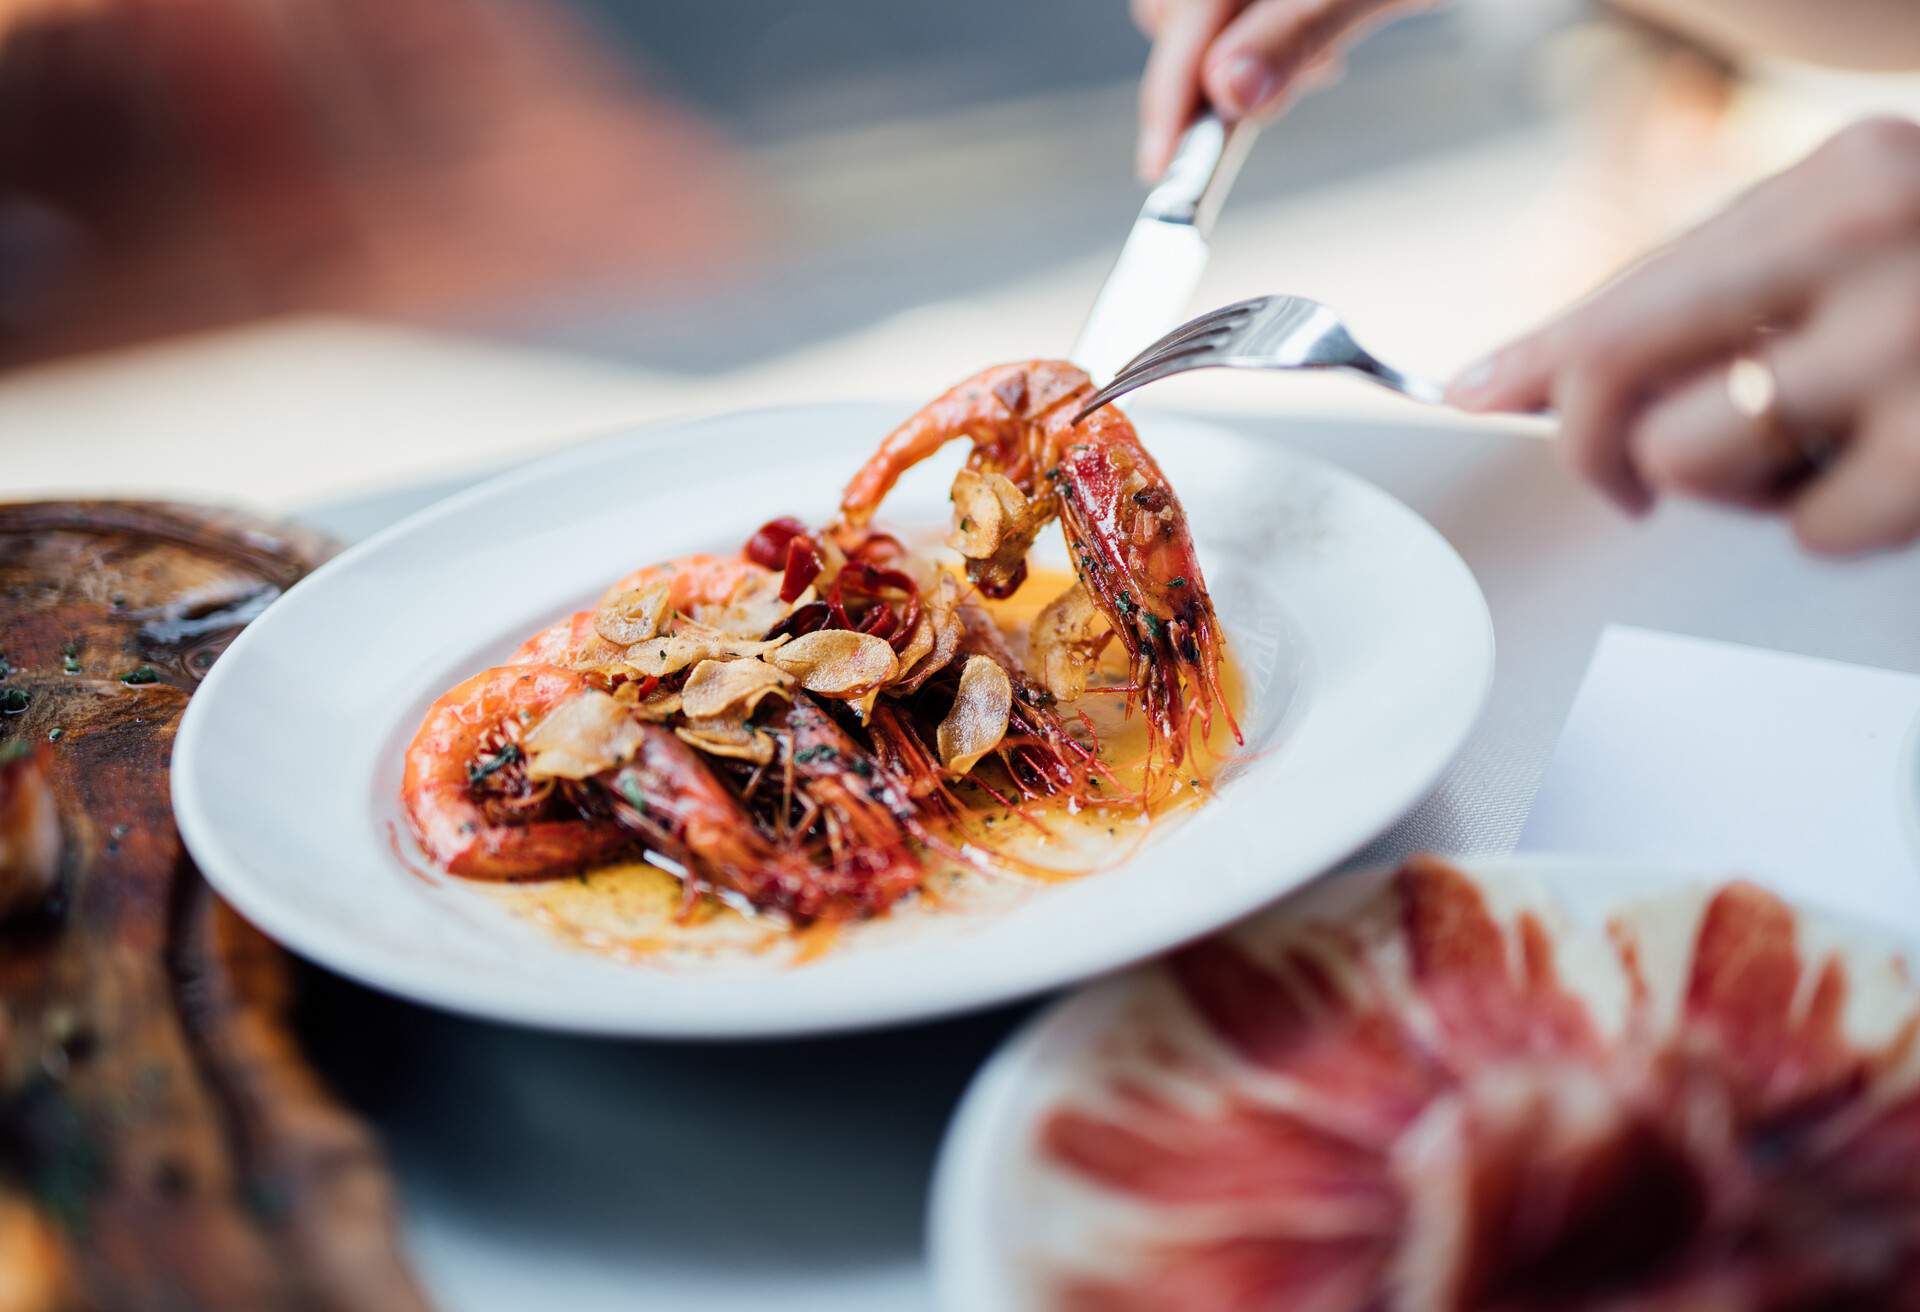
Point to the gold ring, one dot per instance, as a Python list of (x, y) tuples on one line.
[(1754, 391)]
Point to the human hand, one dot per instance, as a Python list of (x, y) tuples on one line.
[(1247, 58), (1814, 276)]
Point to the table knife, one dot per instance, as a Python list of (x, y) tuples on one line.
[(1153, 281)]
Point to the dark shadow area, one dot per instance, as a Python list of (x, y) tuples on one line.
[(784, 1156)]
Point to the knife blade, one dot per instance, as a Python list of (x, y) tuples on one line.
[(1153, 281)]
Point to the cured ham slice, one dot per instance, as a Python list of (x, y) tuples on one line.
[(1453, 1097)]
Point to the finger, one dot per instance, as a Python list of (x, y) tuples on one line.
[(1757, 262), (1147, 14), (1863, 337), (1696, 442), (1273, 49), (1870, 499), (1587, 405), (1170, 88)]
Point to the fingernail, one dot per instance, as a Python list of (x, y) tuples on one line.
[(1249, 83), (1144, 160)]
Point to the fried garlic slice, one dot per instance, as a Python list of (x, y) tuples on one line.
[(1065, 641), (672, 652), (977, 720), (838, 662), (939, 626), (587, 733), (987, 507), (718, 686), (633, 616), (729, 736)]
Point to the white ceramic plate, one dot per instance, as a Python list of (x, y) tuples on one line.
[(1366, 644), (1003, 1226)]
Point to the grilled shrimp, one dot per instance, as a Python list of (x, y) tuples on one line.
[(812, 833), (1124, 526), (466, 790)]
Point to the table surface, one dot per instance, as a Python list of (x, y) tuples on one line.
[(539, 1169)]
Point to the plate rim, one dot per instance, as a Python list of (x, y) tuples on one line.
[(416, 980)]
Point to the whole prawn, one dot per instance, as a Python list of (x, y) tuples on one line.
[(1124, 527)]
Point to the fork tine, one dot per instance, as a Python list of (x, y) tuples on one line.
[(1224, 317), (1128, 379)]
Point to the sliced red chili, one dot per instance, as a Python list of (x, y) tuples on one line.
[(645, 684), (803, 566), (767, 547), (877, 547), (813, 615), (879, 621), (873, 579)]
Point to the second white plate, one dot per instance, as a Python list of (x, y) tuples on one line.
[(1366, 645)]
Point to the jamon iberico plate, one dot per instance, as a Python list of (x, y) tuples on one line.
[(1447, 1092)]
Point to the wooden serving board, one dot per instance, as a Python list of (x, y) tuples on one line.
[(163, 1143)]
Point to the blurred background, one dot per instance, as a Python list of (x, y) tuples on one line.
[(288, 251)]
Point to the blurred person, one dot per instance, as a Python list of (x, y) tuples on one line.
[(1769, 359), (181, 165)]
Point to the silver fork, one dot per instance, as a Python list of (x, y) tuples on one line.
[(1267, 332)]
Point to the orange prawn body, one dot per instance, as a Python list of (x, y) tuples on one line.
[(699, 579), (1124, 526), (470, 737)]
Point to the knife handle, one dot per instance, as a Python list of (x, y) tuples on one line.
[(1204, 166)]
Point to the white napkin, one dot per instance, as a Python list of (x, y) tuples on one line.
[(1698, 755)]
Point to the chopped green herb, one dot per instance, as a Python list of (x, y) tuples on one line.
[(1178, 581), (12, 750), (493, 765), (13, 701), (70, 663), (630, 789), (55, 734), (861, 767), (966, 523), (1155, 625), (5, 669), (145, 674)]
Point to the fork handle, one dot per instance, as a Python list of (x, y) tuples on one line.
[(1204, 166)]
